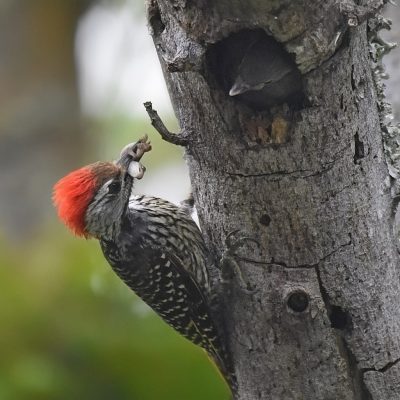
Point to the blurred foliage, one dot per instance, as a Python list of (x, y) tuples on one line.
[(70, 329), (111, 134)]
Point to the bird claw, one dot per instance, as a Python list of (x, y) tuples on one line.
[(229, 268), (229, 265), (232, 244)]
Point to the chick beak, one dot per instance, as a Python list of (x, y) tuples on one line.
[(239, 87)]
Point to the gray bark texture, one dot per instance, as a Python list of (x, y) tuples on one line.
[(311, 184)]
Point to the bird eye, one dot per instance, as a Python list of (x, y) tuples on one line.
[(114, 187)]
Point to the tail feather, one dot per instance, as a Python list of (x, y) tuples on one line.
[(225, 369)]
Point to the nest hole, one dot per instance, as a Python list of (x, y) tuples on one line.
[(252, 68)]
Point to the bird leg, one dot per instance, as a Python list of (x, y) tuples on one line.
[(228, 263), (187, 205)]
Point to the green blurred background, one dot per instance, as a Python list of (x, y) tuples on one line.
[(73, 77)]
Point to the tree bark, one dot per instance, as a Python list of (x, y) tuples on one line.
[(312, 184)]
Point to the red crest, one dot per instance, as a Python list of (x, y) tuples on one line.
[(73, 193)]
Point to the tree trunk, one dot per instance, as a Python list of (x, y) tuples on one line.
[(311, 183)]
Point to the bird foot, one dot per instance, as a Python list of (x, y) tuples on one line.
[(233, 243), (228, 263)]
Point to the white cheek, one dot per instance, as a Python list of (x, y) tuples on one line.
[(136, 170)]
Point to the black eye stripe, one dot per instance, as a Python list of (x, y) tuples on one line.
[(114, 187)]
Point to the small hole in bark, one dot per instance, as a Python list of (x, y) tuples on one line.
[(298, 301), (359, 151), (155, 21), (265, 220), (340, 319), (253, 68)]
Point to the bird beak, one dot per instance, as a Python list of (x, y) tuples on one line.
[(130, 156), (240, 87), (236, 89)]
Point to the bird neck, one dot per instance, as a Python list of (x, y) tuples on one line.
[(104, 220)]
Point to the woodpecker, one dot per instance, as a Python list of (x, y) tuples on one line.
[(266, 75), (151, 244), (255, 69)]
